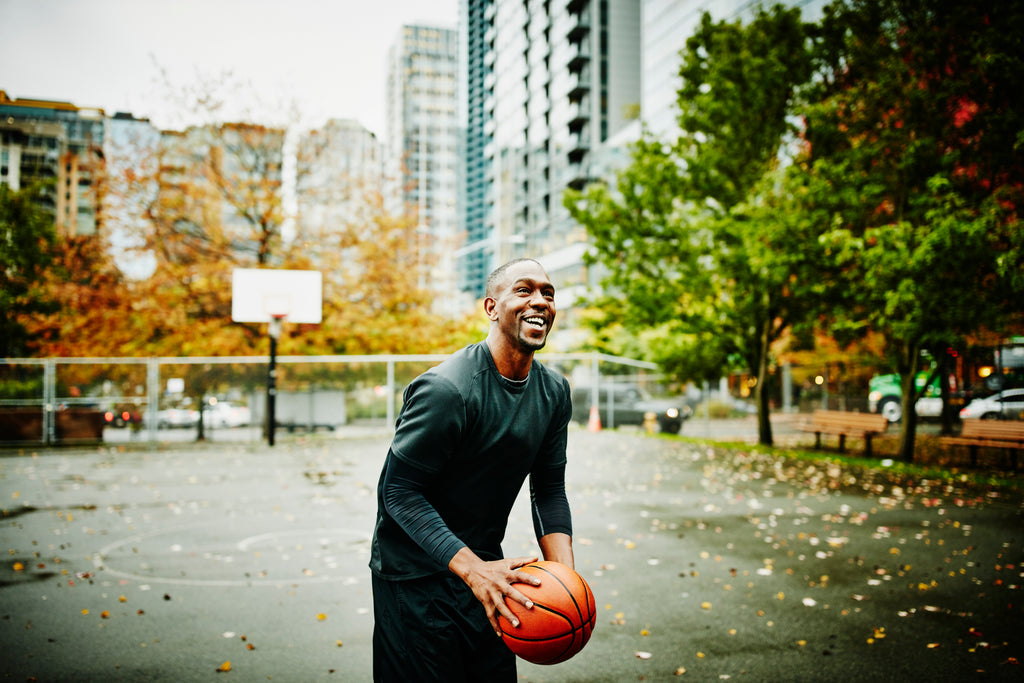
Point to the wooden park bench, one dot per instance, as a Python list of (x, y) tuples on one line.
[(990, 434), (842, 424)]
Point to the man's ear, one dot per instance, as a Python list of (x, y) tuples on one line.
[(490, 308)]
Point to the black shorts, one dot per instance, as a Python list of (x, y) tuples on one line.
[(434, 629)]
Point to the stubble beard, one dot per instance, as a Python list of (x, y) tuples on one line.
[(527, 343)]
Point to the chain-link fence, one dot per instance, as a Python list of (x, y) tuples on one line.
[(55, 401), (51, 401)]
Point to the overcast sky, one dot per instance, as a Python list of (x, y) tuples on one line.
[(327, 56)]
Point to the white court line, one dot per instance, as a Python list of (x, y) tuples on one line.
[(244, 544)]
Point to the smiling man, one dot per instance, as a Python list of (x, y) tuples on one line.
[(470, 432)]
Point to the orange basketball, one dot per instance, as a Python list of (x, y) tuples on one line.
[(562, 618)]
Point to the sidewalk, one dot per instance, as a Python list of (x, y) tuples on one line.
[(707, 564)]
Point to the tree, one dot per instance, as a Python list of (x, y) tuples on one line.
[(93, 314), (374, 301), (704, 238), (213, 197), (26, 249), (914, 137)]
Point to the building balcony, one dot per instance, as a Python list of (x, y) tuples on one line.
[(576, 175), (578, 29), (579, 114), (579, 85), (579, 55), (579, 143)]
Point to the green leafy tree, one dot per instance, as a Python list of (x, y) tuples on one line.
[(703, 239), (26, 250), (914, 140)]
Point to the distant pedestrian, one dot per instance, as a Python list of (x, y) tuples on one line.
[(469, 433)]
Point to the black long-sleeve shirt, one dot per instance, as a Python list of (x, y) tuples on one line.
[(465, 441)]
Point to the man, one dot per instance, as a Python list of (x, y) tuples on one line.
[(470, 431)]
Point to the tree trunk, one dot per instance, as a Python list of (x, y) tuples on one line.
[(908, 427), (948, 415), (761, 394), (201, 424)]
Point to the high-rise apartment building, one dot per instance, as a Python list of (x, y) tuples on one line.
[(423, 148), (222, 185), (58, 144), (666, 26), (131, 148), (546, 85), (338, 172)]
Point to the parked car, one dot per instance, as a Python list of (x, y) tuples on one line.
[(1006, 405), (122, 416), (172, 418), (629, 405), (224, 414)]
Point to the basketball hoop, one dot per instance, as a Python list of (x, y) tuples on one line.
[(265, 295), (276, 321)]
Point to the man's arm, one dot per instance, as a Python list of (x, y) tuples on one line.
[(557, 547)]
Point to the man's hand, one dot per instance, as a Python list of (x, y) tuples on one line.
[(492, 581)]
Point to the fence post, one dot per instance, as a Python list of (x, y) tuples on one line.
[(824, 390), (49, 401), (706, 388), (152, 396), (787, 388)]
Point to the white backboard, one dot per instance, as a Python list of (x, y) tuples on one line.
[(260, 294)]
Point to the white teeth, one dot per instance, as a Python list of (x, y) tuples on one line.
[(535, 321)]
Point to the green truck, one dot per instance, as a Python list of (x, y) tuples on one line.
[(886, 398), (987, 370)]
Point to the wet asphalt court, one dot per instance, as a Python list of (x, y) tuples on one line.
[(248, 563)]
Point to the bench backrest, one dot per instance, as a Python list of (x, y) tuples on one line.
[(993, 429), (869, 422)]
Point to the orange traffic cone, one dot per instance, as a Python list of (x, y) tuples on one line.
[(594, 424)]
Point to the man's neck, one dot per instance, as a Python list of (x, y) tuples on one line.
[(512, 363)]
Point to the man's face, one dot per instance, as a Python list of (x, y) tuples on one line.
[(524, 306)]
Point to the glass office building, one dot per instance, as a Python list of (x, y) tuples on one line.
[(423, 149), (545, 85)]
